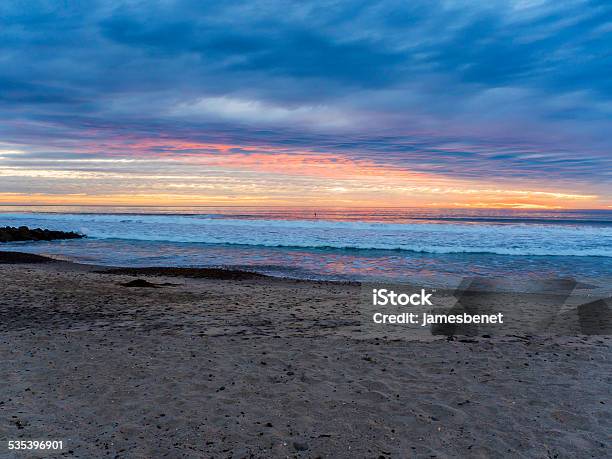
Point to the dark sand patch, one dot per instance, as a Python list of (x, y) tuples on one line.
[(141, 283), (19, 257), (196, 273)]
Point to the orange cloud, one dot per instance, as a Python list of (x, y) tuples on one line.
[(266, 175)]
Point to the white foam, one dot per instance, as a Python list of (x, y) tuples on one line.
[(438, 238)]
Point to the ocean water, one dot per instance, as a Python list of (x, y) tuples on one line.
[(435, 246)]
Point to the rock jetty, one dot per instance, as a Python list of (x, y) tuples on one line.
[(23, 233)]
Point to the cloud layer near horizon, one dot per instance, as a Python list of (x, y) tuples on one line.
[(451, 96)]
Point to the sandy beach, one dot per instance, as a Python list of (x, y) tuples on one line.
[(271, 229), (251, 366)]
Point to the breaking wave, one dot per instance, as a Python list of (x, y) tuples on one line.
[(514, 239)]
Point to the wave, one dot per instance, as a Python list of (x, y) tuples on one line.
[(527, 220), (517, 239), (440, 224), (599, 217), (440, 250)]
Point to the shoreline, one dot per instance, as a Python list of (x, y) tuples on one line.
[(450, 284), (486, 298), (212, 272)]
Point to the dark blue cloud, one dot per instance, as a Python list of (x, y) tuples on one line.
[(519, 88)]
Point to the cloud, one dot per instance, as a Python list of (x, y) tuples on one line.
[(510, 90), (256, 112)]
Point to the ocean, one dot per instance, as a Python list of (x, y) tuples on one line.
[(437, 246)]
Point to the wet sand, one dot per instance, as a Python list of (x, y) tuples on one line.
[(251, 366)]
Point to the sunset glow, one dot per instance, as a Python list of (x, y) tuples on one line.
[(382, 118)]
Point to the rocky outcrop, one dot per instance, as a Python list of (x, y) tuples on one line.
[(23, 233)]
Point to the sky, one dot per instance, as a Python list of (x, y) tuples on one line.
[(339, 103)]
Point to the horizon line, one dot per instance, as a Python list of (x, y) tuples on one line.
[(608, 208)]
